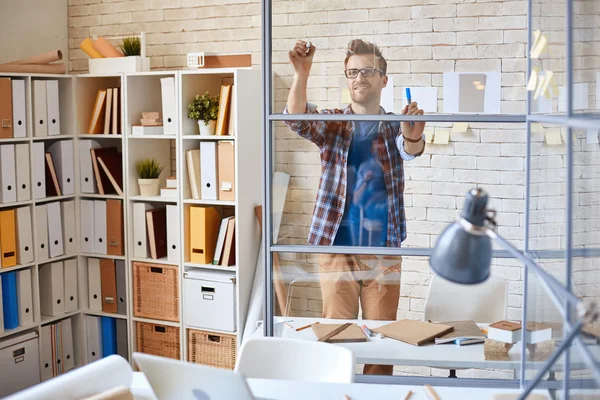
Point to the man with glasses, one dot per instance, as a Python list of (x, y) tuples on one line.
[(360, 160)]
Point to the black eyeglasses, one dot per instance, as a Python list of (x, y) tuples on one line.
[(366, 72)]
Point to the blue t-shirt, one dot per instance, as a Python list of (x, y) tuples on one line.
[(364, 222)]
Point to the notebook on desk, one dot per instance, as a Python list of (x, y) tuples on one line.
[(352, 334), (464, 332), (413, 332)]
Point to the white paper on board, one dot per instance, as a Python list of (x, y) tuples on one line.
[(492, 92), (592, 136), (426, 98), (387, 96), (580, 97)]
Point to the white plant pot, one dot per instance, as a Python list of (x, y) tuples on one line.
[(149, 187), (207, 130)]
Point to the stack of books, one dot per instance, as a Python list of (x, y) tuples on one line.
[(105, 114), (151, 123)]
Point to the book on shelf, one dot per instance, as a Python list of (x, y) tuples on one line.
[(110, 162), (105, 116), (96, 125), (52, 187), (168, 193), (223, 117), (107, 113), (156, 225), (221, 240), (228, 258), (116, 115), (143, 130), (193, 167), (112, 159)]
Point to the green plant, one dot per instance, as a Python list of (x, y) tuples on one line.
[(204, 108), (131, 46), (148, 168)]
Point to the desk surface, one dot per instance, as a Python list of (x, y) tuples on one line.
[(393, 352), (299, 390)]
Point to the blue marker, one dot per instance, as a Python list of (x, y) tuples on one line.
[(408, 99)]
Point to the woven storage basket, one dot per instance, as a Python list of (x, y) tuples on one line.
[(155, 291), (210, 348), (159, 340)]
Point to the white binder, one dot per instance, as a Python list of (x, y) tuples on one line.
[(52, 101), (40, 111), (68, 224), (70, 284), (169, 109), (68, 357), (25, 297), (46, 359), (22, 163), (140, 237), (55, 234), (87, 226), (39, 170), (86, 170), (94, 284), (19, 114), (94, 345), (52, 289), (62, 156), (41, 232), (8, 176), (24, 238), (208, 170), (100, 226), (172, 233)]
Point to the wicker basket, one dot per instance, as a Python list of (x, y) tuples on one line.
[(210, 348), (155, 291), (159, 340)]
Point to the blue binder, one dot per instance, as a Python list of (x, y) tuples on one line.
[(9, 300), (109, 336)]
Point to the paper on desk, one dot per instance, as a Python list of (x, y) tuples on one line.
[(441, 137), (460, 127), (426, 97)]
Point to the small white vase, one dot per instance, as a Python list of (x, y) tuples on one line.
[(149, 187), (207, 130)]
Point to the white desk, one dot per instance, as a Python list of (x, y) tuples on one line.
[(393, 352), (298, 390)]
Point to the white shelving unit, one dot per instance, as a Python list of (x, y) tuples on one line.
[(142, 92)]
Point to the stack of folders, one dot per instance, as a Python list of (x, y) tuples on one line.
[(212, 238), (57, 349), (156, 232), (16, 308), (58, 288), (464, 333), (105, 336), (107, 289), (211, 171), (55, 229), (105, 118), (101, 227)]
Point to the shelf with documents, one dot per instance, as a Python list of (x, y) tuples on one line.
[(230, 268), (16, 268), (101, 196), (209, 202), (93, 255), (152, 199), (148, 137), (100, 136), (48, 319), (104, 314), (20, 329), (212, 137), (57, 259), (55, 198), (156, 321), (50, 138), (17, 204), (15, 140), (162, 260)]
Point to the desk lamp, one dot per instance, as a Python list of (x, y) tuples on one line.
[(463, 254)]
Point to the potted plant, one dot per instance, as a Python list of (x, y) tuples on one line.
[(205, 109), (131, 46), (148, 171)]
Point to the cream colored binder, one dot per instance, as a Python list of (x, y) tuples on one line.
[(25, 297), (86, 227), (94, 284), (40, 109), (70, 285), (53, 103), (19, 114), (8, 175), (62, 156), (86, 170), (41, 233), (169, 108), (38, 168), (140, 236), (68, 356), (68, 224), (208, 170), (24, 237), (52, 290), (94, 344), (100, 226), (22, 163), (46, 360), (55, 234), (172, 233)]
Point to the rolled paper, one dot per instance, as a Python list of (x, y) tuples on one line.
[(88, 47), (104, 47), (35, 68), (44, 58)]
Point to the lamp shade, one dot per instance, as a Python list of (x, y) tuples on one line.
[(463, 252)]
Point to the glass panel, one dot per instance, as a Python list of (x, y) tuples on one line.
[(490, 156), (586, 58)]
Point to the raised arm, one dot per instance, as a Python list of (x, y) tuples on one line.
[(301, 58)]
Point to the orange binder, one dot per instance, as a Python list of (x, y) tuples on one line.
[(114, 227), (8, 242), (108, 282), (97, 121), (204, 229), (226, 170), (6, 108)]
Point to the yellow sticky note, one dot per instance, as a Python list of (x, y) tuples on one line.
[(539, 47), (441, 137), (428, 135), (536, 127), (346, 99), (563, 133), (540, 87), (532, 80), (459, 127), (553, 138)]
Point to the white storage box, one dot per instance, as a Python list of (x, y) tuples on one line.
[(115, 65), (19, 363), (209, 300)]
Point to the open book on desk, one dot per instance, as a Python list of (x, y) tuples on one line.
[(465, 332)]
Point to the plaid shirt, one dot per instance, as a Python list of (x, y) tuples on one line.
[(333, 139)]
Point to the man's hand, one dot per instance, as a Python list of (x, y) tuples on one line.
[(412, 132), (301, 57)]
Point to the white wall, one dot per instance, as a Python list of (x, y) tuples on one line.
[(30, 27)]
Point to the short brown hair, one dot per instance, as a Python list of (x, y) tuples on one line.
[(359, 46)]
